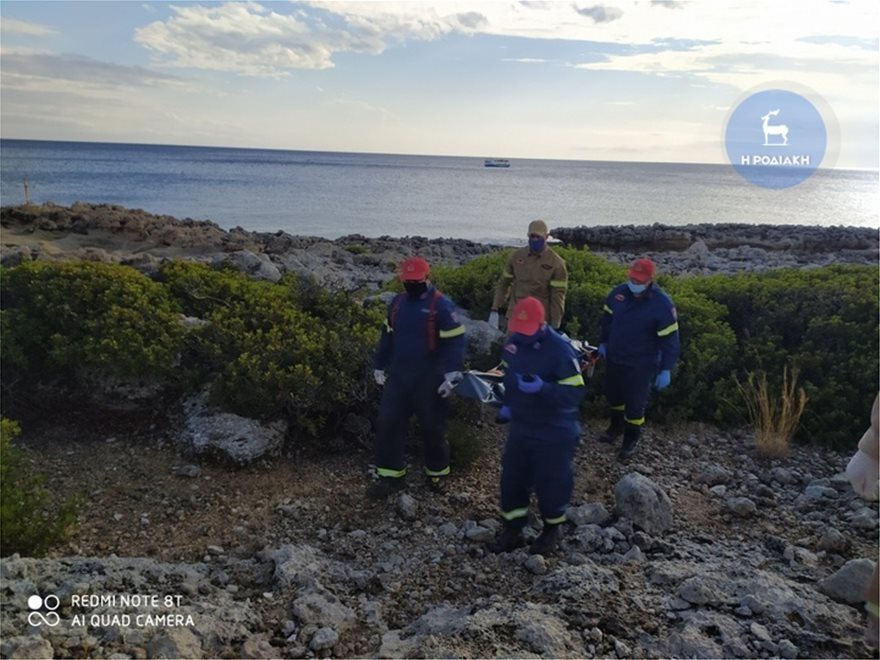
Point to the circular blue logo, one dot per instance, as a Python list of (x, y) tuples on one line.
[(775, 138)]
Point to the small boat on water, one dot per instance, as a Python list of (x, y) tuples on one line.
[(496, 162)]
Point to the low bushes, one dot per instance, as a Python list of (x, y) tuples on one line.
[(292, 349), (30, 519), (60, 319)]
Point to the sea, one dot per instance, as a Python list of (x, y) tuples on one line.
[(332, 194)]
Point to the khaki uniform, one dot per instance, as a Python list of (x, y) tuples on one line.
[(542, 276)]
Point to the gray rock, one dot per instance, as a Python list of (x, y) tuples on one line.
[(536, 564), (817, 492), (713, 475), (786, 649), (742, 506), (847, 585), (191, 471), (783, 475), (760, 632), (27, 646), (644, 502), (479, 534), (591, 513), (407, 506), (323, 610), (258, 266), (258, 646), (699, 591), (239, 439), (174, 643), (324, 638)]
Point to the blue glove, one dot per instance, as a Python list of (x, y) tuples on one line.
[(603, 349), (529, 387), (503, 415), (662, 380)]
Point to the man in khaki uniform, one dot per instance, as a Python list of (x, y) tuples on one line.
[(535, 271)]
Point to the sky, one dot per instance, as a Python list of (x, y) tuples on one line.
[(628, 80)]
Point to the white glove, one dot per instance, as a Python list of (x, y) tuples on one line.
[(493, 319), (379, 376), (862, 474), (450, 380)]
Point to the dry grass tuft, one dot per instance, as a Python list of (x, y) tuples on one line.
[(774, 419)]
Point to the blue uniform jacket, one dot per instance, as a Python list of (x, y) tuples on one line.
[(640, 331), (553, 412), (404, 347)]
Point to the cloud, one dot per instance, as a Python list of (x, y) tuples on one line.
[(600, 13), (669, 4), (14, 26), (250, 39), (20, 66), (525, 60)]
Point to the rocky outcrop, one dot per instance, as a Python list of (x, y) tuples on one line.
[(113, 234)]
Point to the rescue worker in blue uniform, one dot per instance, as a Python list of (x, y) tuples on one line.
[(418, 363), (640, 343), (543, 389)]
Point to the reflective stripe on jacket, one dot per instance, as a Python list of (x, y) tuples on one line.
[(405, 343), (556, 407), (640, 331), (542, 275)]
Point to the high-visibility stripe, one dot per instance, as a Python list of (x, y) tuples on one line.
[(619, 408), (513, 515), (576, 380), (437, 473), (388, 326), (555, 521), (559, 284), (508, 275), (392, 474), (668, 330), (634, 422), (606, 308), (503, 363), (454, 332)]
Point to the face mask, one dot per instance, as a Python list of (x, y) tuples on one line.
[(636, 288), (536, 244), (415, 289)]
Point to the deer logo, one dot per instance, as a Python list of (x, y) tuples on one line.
[(776, 129)]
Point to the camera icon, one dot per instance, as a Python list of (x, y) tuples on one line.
[(36, 603)]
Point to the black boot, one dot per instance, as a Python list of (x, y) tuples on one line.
[(630, 440), (385, 486), (548, 541), (615, 428), (509, 539)]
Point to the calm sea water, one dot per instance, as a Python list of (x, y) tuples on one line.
[(333, 194)]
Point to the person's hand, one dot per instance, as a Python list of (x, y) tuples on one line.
[(862, 474), (379, 377), (529, 386), (493, 319), (450, 380), (503, 416), (603, 350), (663, 379)]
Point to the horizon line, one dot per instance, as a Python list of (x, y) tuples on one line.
[(423, 155)]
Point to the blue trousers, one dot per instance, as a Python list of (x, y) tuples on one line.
[(533, 462), (401, 397), (629, 387)]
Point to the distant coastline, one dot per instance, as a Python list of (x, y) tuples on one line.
[(114, 234)]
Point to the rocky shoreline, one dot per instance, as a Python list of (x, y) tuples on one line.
[(101, 232)]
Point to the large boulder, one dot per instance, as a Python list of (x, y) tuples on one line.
[(644, 503), (226, 435)]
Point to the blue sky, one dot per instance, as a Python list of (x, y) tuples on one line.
[(642, 80)]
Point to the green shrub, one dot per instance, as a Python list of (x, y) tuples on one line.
[(286, 348), (822, 322), (467, 444), (30, 521), (58, 318)]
